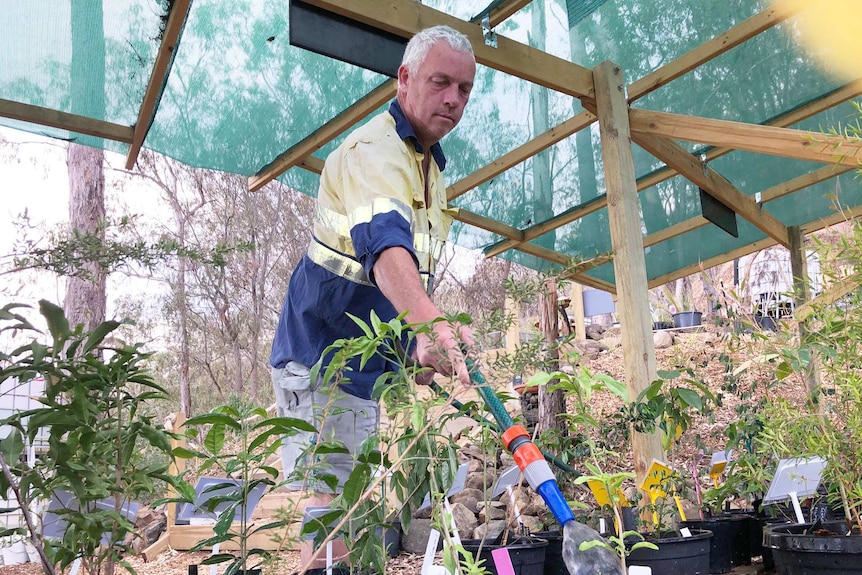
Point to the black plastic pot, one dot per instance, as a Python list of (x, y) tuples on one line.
[(686, 319), (755, 531), (766, 552), (730, 545), (527, 554), (676, 555), (797, 553), (554, 564), (656, 325)]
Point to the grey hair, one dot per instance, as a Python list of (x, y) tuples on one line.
[(419, 45)]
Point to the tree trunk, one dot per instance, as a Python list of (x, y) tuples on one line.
[(85, 297), (551, 403)]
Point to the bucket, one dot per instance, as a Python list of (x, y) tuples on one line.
[(527, 554)]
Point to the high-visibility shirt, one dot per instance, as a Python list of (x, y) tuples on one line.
[(371, 198)]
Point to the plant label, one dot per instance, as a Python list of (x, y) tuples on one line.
[(508, 478), (799, 476)]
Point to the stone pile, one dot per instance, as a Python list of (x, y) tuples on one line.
[(477, 515)]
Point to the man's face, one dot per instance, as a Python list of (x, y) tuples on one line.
[(433, 98)]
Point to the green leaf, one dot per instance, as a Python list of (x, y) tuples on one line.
[(214, 439), (287, 424), (214, 419), (11, 447), (356, 484), (616, 387), (690, 398), (98, 335), (58, 325), (666, 374), (362, 325), (783, 371)]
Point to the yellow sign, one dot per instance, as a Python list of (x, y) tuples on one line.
[(600, 492), (657, 474)]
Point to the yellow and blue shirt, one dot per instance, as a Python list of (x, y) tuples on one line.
[(372, 197)]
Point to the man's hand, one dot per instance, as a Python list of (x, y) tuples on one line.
[(443, 351)]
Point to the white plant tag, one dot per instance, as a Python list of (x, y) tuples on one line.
[(685, 531)]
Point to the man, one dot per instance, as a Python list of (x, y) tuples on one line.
[(380, 226)]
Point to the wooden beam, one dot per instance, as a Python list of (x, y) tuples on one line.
[(486, 223), (797, 144), (541, 142), (811, 227), (65, 121), (541, 228), (301, 152), (705, 177), (407, 17), (158, 77), (629, 261), (324, 134), (834, 98), (708, 50), (691, 224), (506, 10)]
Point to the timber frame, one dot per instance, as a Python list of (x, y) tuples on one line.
[(606, 99)]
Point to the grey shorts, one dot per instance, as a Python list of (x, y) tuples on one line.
[(346, 418)]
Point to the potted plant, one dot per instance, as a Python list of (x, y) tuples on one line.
[(663, 405), (828, 423), (103, 447), (681, 308), (237, 444)]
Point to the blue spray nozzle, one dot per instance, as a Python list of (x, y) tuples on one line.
[(553, 497)]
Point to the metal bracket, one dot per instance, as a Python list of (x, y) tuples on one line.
[(703, 165), (489, 35)]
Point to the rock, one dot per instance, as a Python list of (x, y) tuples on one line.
[(506, 460), (662, 339), (588, 347), (481, 480), (422, 512), (149, 526), (472, 452), (465, 519), (469, 497), (415, 539), (595, 331), (611, 342), (489, 530), (533, 523), (491, 510)]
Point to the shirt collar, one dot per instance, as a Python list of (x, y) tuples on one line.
[(405, 131)]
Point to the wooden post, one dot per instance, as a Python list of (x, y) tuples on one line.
[(577, 308), (627, 241), (799, 268)]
